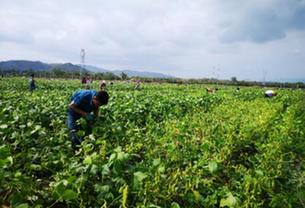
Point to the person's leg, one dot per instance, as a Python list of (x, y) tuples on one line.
[(73, 131), (89, 128)]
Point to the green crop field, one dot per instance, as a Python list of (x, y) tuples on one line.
[(165, 145)]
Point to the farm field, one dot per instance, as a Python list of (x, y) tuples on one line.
[(165, 145)]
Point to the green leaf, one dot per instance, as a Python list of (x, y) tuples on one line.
[(124, 191), (94, 169), (230, 201), (10, 159), (17, 174), (156, 162), (213, 166), (120, 156), (161, 169), (59, 189), (197, 195), (35, 167), (4, 152), (102, 189), (139, 176), (205, 147), (109, 196), (105, 169), (16, 199), (88, 160), (37, 128), (112, 157), (69, 195), (24, 205), (259, 172), (3, 126), (175, 205)]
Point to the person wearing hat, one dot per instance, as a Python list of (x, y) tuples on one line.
[(270, 93), (84, 104)]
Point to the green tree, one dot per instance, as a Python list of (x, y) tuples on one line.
[(124, 76), (58, 72)]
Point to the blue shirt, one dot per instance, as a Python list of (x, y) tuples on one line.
[(83, 100)]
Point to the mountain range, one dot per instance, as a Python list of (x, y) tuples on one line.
[(22, 65), (129, 73)]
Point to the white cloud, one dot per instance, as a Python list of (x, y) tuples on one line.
[(263, 21), (183, 38)]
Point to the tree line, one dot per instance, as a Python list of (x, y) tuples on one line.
[(59, 73)]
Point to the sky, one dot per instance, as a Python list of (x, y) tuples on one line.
[(251, 40)]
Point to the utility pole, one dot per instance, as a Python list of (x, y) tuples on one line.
[(82, 57), (264, 76), (216, 73)]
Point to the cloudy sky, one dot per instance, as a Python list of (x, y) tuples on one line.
[(252, 40)]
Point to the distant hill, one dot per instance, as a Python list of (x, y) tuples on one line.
[(95, 69), (129, 73), (142, 74), (67, 67), (23, 65)]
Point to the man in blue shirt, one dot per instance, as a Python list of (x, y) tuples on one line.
[(83, 103)]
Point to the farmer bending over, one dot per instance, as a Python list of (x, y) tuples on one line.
[(270, 93), (83, 103)]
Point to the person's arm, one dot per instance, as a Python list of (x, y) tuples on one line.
[(74, 107), (95, 112)]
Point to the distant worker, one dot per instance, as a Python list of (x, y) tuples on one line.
[(211, 90), (270, 93), (83, 103), (32, 84), (138, 83), (84, 80), (102, 85), (88, 82)]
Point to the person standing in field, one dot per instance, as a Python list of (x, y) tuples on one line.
[(138, 83), (84, 103), (32, 85), (84, 80), (88, 82), (102, 85)]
